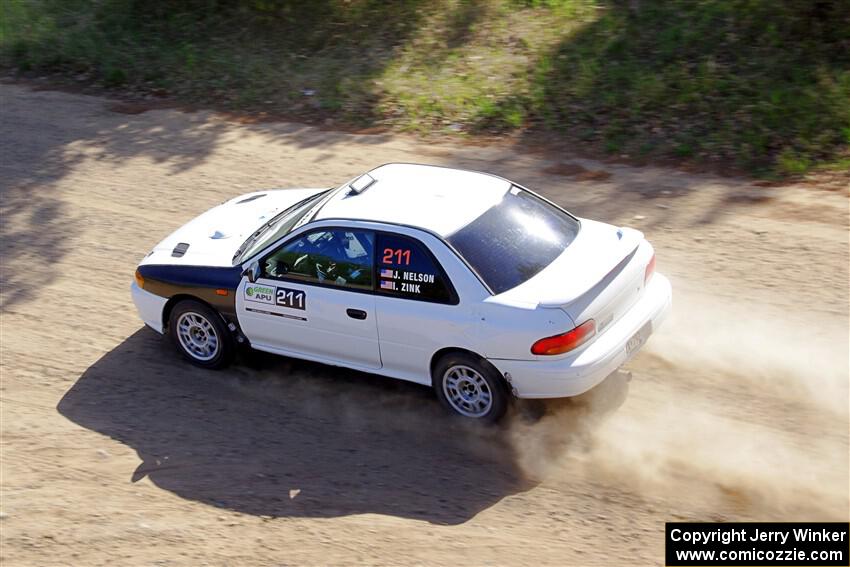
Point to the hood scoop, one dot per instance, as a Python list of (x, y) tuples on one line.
[(180, 250), (219, 235)]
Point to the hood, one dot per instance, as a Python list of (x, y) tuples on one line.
[(214, 236)]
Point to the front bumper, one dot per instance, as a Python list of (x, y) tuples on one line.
[(576, 374), (150, 307)]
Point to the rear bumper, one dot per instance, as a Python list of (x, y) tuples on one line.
[(150, 307), (573, 375)]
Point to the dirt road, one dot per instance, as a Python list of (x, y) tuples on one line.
[(114, 451)]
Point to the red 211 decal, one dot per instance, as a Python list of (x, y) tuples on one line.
[(396, 256)]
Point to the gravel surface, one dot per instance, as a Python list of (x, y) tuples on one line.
[(116, 452)]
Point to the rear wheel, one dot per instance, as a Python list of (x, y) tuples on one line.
[(200, 335), (470, 387)]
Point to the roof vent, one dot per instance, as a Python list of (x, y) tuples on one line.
[(251, 198), (180, 249), (361, 183)]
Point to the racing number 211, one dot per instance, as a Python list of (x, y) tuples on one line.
[(396, 256), (292, 298)]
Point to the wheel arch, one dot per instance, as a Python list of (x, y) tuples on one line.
[(458, 350), (175, 299)]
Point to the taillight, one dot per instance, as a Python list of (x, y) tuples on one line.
[(560, 344), (650, 269), (140, 281)]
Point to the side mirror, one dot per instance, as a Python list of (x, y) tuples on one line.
[(252, 272)]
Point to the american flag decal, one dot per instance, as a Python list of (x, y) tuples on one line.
[(387, 285), (387, 274)]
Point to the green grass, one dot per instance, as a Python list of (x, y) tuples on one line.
[(760, 84)]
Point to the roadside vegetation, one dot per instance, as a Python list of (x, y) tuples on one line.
[(758, 84)]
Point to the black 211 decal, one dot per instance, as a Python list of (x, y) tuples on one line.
[(292, 298)]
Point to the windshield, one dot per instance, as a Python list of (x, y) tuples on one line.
[(278, 226), (515, 239)]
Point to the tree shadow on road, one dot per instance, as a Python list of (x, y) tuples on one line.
[(41, 143)]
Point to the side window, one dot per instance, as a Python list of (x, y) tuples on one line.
[(336, 257), (406, 269)]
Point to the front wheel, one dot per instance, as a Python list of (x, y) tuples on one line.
[(470, 387), (200, 335)]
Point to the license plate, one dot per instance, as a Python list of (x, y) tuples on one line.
[(638, 339)]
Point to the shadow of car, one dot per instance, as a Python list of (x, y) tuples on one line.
[(283, 437)]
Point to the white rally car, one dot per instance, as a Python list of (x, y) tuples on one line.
[(459, 280)]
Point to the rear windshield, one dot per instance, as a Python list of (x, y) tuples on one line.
[(515, 239)]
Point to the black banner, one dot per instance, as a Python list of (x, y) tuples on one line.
[(762, 544)]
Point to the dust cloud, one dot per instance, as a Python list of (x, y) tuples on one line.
[(797, 356), (707, 431)]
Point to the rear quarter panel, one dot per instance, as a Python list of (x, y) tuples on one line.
[(412, 332), (508, 331), (479, 323)]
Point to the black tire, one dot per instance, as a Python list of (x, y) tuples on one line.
[(452, 397), (205, 323)]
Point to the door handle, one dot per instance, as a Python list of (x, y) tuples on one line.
[(356, 313)]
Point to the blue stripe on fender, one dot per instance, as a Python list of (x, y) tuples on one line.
[(200, 282), (194, 276)]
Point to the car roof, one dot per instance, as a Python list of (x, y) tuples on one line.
[(438, 199)]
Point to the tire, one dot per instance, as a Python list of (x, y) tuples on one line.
[(470, 387), (201, 336)]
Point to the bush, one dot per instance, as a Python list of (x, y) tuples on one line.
[(762, 84)]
